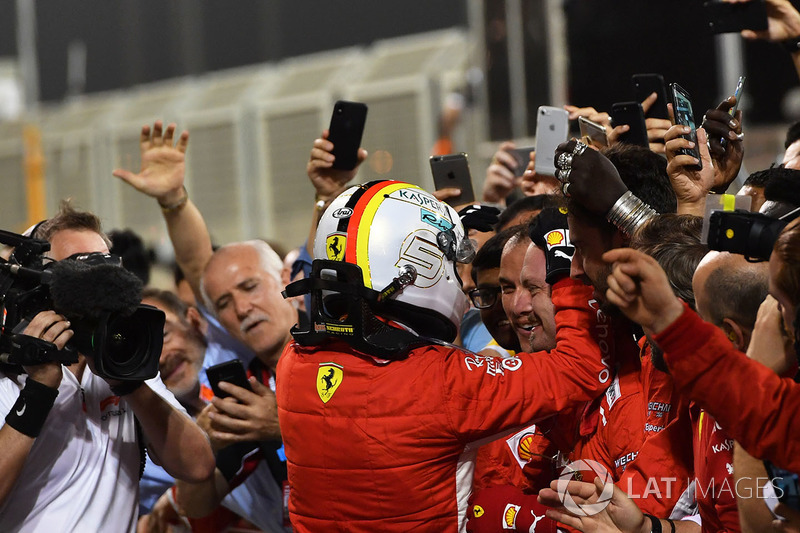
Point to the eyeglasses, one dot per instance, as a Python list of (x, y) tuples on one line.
[(484, 297)]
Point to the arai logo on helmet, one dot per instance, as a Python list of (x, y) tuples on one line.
[(343, 212)]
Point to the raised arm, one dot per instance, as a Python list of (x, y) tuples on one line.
[(328, 182), (162, 177)]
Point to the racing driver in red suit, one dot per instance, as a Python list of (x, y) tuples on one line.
[(380, 417)]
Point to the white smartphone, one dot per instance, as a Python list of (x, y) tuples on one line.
[(552, 129)]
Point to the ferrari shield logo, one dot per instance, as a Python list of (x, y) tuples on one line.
[(335, 245), (329, 377)]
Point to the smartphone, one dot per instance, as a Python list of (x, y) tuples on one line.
[(632, 114), (452, 170), (732, 111), (785, 484), (725, 17), (646, 84), (596, 133), (345, 132), (552, 129), (231, 371), (738, 94), (523, 157), (682, 106)]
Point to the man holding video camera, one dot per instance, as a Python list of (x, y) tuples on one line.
[(73, 441)]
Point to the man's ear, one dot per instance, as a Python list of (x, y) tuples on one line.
[(197, 321), (736, 334)]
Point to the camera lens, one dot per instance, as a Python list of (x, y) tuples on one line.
[(123, 346)]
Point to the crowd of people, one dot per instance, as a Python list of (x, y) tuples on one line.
[(589, 351)]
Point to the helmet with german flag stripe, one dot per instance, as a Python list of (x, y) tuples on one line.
[(406, 243)]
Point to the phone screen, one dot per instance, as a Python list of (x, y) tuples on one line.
[(685, 117)]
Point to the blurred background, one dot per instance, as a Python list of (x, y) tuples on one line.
[(254, 81)]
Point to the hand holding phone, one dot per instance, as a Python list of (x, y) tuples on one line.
[(452, 171), (231, 371), (345, 132), (522, 157), (682, 107)]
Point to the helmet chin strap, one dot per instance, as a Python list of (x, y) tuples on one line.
[(342, 309)]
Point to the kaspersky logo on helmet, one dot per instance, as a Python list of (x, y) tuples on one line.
[(573, 471)]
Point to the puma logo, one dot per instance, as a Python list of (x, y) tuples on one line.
[(536, 519)]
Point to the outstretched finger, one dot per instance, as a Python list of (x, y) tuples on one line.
[(183, 141), (158, 138), (169, 133), (144, 137), (648, 102)]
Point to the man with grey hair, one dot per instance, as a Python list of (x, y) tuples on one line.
[(241, 286)]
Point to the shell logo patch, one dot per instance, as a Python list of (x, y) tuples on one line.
[(329, 377), (510, 516), (335, 246), (555, 238), (524, 447)]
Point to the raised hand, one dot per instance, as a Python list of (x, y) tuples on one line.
[(640, 288), (163, 164), (727, 156), (691, 185), (500, 176), (328, 182)]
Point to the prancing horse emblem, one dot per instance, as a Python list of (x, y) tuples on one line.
[(329, 377)]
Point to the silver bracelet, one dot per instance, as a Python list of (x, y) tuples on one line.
[(629, 212)]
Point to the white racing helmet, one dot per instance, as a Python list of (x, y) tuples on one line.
[(406, 243)]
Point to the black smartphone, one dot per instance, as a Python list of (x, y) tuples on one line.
[(231, 371), (452, 170), (726, 17), (646, 84), (785, 484), (632, 114), (523, 157), (682, 106), (345, 132)]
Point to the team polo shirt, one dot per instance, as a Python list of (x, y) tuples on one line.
[(82, 473)]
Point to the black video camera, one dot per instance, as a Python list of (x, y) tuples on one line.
[(99, 298), (741, 232)]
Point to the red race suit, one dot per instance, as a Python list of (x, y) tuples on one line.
[(756, 407), (388, 447)]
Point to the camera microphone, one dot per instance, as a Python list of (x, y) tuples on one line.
[(89, 291)]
